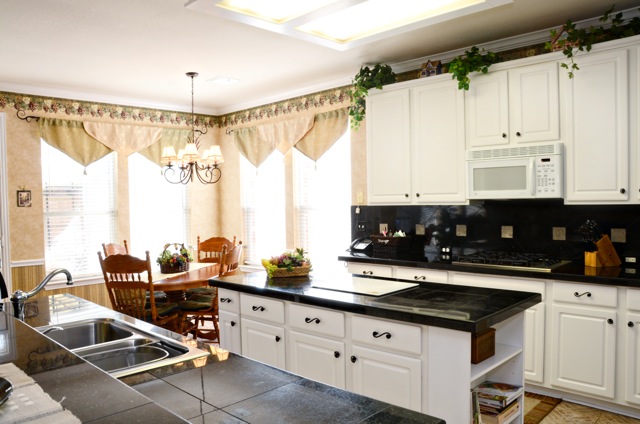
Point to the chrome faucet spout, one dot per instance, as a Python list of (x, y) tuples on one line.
[(19, 297)]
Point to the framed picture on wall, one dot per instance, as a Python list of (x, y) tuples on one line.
[(24, 198)]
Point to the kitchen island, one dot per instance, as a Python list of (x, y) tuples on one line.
[(410, 346), (222, 387)]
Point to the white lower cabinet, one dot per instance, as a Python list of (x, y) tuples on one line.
[(632, 347), (583, 338), (317, 358), (263, 342), (229, 324), (388, 377)]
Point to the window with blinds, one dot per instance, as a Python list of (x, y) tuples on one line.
[(158, 210), (263, 208), (79, 211), (322, 203)]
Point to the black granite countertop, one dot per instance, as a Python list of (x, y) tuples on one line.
[(625, 275), (462, 308), (219, 388)]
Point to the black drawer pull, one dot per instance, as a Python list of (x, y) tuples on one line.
[(258, 308), (419, 277), (378, 335), (576, 294), (225, 300), (367, 272), (310, 320), (353, 359)]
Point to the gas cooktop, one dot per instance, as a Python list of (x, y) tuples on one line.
[(536, 262)]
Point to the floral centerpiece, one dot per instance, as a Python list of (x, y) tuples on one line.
[(172, 262), (288, 264)]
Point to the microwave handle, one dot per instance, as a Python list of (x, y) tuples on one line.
[(532, 175)]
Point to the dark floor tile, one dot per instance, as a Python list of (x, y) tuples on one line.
[(395, 415)]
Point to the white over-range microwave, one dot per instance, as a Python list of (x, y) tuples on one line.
[(519, 172)]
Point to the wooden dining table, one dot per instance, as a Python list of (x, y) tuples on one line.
[(174, 285)]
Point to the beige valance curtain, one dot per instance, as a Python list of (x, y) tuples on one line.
[(71, 138), (169, 137), (312, 135), (124, 139)]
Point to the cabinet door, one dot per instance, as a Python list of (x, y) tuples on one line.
[(597, 121), (534, 343), (633, 358), (229, 323), (388, 148), (534, 113), (583, 349), (437, 143), (388, 377), (263, 342), (487, 106), (317, 358)]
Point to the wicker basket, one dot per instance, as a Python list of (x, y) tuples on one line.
[(174, 268), (297, 271), (390, 247)]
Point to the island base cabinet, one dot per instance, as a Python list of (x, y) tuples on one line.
[(229, 324), (388, 377), (263, 342), (317, 358), (583, 344)]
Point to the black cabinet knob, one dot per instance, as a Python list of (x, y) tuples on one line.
[(609, 321), (353, 359), (622, 191), (233, 323), (518, 133), (277, 339), (504, 135), (630, 324), (406, 195), (417, 194), (336, 354)]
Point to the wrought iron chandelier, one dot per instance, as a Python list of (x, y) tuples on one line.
[(181, 168)]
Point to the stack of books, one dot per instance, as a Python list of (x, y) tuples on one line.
[(498, 402)]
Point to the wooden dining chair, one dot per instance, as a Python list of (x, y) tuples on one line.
[(115, 248), (210, 250), (202, 305), (129, 283)]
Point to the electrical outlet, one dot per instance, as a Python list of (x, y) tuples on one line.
[(361, 227), (630, 259), (384, 228)]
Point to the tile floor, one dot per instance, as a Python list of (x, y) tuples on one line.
[(568, 412)]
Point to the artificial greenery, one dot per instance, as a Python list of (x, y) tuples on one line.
[(474, 60), (364, 80), (571, 40)]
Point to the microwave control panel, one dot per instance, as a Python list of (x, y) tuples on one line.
[(548, 176)]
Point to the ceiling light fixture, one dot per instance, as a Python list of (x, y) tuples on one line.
[(188, 160)]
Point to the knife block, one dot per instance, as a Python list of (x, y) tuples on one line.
[(606, 254)]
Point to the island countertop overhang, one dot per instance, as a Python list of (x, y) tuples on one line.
[(462, 308)]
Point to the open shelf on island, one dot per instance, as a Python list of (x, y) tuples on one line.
[(503, 353)]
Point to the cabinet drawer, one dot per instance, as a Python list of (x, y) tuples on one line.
[(496, 282), (386, 334), (229, 300), (422, 275), (262, 308), (585, 294), (366, 269), (315, 320), (633, 299)]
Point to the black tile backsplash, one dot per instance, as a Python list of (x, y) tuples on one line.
[(532, 223)]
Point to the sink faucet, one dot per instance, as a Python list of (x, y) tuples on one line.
[(19, 297)]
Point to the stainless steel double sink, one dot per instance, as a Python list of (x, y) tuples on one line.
[(119, 348)]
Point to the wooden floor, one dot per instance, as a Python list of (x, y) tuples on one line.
[(567, 412)]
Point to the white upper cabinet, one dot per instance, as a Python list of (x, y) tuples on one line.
[(519, 105), (388, 147), (596, 115), (415, 143)]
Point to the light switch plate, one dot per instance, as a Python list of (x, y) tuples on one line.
[(420, 230), (618, 235), (559, 233), (506, 231), (461, 230)]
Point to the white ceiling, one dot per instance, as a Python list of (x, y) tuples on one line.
[(137, 52)]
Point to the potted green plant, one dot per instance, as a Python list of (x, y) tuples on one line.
[(570, 39), (473, 60), (364, 80)]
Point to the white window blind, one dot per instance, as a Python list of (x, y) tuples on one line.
[(79, 210), (159, 211), (322, 205), (263, 208)]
